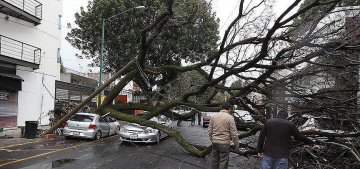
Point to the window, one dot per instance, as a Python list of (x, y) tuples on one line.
[(82, 118), (58, 56), (59, 22)]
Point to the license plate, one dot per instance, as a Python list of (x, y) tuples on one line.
[(133, 136), (76, 133)]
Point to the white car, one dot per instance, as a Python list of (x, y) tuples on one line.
[(327, 124), (243, 116), (133, 132), (91, 126)]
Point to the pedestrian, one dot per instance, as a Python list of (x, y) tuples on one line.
[(221, 129), (277, 132), (199, 118)]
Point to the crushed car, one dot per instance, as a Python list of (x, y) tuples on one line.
[(133, 132), (90, 126)]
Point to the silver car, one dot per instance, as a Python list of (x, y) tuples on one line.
[(133, 132), (91, 126)]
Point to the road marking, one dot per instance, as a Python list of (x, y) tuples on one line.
[(21, 144), (39, 155), (8, 150)]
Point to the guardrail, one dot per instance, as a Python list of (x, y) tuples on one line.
[(32, 7), (15, 49)]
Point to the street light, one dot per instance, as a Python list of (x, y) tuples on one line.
[(102, 47)]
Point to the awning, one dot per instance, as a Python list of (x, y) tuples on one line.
[(11, 76), (10, 82)]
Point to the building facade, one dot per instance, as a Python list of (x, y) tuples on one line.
[(30, 44)]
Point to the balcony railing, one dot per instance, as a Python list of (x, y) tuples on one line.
[(31, 7), (18, 50)]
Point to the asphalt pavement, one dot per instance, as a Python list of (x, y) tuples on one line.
[(110, 153)]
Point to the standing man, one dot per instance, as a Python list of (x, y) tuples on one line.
[(199, 118), (221, 129), (277, 131)]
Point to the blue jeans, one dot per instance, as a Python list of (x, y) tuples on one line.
[(276, 163)]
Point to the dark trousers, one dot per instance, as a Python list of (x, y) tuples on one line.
[(220, 156)]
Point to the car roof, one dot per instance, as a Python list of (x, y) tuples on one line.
[(90, 114)]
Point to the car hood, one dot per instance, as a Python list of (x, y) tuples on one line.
[(135, 127)]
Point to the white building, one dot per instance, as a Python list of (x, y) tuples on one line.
[(30, 43)]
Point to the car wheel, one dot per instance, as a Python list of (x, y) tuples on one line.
[(67, 137), (97, 135), (117, 130)]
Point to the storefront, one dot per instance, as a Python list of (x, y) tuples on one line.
[(10, 84)]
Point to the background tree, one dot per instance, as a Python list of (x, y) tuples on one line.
[(190, 35)]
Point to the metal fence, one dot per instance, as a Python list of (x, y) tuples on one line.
[(32, 7), (19, 50)]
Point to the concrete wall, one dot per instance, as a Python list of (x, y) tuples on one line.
[(65, 77), (38, 87)]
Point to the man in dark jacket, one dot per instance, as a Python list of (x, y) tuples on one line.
[(278, 131)]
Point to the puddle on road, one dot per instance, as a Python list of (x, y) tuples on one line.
[(61, 162)]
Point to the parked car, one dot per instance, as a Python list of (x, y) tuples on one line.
[(245, 118), (133, 132), (326, 124), (91, 126), (206, 118), (192, 119)]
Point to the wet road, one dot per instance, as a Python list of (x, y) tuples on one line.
[(109, 153)]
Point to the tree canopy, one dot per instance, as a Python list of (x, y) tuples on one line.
[(190, 35)]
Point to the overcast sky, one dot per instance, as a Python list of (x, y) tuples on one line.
[(225, 10)]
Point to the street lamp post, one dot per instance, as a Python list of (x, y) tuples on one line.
[(102, 47)]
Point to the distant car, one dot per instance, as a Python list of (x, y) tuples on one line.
[(206, 118), (91, 126), (245, 117), (133, 132)]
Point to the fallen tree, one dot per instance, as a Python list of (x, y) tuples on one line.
[(308, 67)]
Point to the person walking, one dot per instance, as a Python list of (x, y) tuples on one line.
[(199, 118), (221, 129), (277, 131)]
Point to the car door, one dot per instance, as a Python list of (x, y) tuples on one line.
[(112, 125), (104, 126)]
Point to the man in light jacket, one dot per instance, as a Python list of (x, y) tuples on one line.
[(221, 129)]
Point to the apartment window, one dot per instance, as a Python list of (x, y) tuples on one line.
[(59, 22), (58, 56)]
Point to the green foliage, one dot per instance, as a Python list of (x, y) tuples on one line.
[(190, 42), (237, 84), (62, 68)]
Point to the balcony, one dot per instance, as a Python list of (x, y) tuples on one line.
[(28, 10), (19, 53)]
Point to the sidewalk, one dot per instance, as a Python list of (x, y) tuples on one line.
[(11, 137)]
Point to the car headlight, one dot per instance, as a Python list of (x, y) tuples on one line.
[(149, 130), (124, 130)]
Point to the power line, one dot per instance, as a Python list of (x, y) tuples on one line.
[(230, 15)]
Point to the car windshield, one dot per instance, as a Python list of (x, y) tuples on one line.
[(82, 118), (210, 113), (142, 113), (331, 124), (299, 121)]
